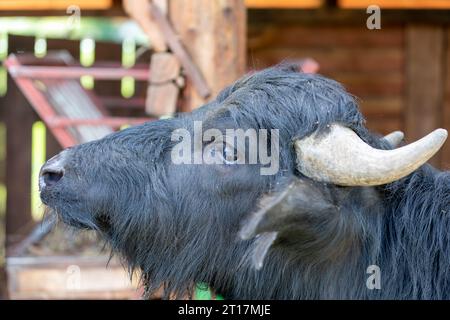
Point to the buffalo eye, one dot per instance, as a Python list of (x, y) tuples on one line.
[(220, 152), (226, 153), (229, 154)]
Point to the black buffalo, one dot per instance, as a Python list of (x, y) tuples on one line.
[(315, 229)]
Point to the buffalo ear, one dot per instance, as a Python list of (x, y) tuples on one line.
[(284, 210), (280, 211), (260, 248)]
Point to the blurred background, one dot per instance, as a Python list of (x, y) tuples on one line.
[(72, 71)]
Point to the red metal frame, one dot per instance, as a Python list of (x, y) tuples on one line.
[(115, 122), (50, 72), (25, 76)]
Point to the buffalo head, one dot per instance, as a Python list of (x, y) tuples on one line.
[(179, 220)]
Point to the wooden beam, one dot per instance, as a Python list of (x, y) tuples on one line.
[(162, 93), (214, 33), (3, 283), (34, 5), (337, 17), (425, 81), (139, 11), (272, 35), (395, 4), (283, 4), (176, 46)]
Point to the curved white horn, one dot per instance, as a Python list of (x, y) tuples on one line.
[(342, 158), (394, 138)]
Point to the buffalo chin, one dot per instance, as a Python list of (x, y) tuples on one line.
[(76, 219), (78, 223), (103, 222)]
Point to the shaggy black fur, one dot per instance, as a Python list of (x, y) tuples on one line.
[(178, 224)]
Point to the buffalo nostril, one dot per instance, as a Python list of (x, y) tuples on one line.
[(51, 177), (52, 171)]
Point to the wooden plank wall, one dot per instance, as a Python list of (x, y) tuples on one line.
[(425, 88), (400, 74), (370, 64), (445, 160)]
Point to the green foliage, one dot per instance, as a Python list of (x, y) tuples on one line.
[(38, 148)]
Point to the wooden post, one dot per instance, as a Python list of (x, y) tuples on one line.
[(425, 81), (445, 159), (19, 120), (52, 146), (162, 93), (139, 11), (214, 34), (3, 279)]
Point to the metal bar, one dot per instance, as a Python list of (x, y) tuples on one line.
[(118, 102), (115, 65), (38, 233), (45, 111), (115, 122), (51, 72), (40, 105), (57, 124)]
